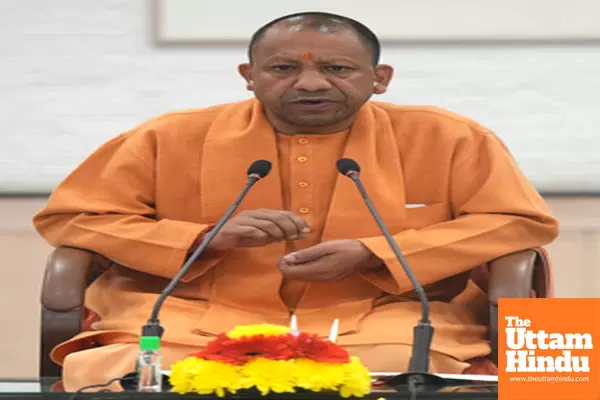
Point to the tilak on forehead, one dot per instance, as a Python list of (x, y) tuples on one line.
[(308, 56), (296, 24)]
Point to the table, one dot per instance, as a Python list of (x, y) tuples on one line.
[(40, 389)]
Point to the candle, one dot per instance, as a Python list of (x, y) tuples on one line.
[(294, 325), (333, 332)]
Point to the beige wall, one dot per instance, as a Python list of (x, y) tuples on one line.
[(23, 254), (575, 254)]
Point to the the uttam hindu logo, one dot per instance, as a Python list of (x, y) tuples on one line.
[(524, 346), (548, 349)]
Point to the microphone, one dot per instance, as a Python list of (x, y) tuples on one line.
[(417, 376), (258, 170)]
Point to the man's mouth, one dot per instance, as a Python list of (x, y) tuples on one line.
[(313, 103)]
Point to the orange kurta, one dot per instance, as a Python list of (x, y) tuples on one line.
[(444, 185)]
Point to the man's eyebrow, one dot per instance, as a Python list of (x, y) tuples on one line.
[(282, 58), (321, 61)]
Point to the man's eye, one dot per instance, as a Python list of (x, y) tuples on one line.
[(337, 68), (282, 68)]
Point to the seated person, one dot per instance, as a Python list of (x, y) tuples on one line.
[(302, 242)]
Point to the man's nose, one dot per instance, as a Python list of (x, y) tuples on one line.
[(312, 81)]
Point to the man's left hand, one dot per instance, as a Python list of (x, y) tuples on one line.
[(329, 261)]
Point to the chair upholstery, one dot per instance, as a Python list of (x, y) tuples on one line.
[(69, 271), (519, 275)]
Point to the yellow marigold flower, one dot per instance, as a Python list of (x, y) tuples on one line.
[(182, 373), (205, 377), (318, 377), (279, 376), (255, 330), (269, 375), (357, 381)]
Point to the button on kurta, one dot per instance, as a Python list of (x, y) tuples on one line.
[(303, 210), (303, 184), (303, 141), (301, 159)]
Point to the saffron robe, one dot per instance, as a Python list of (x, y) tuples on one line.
[(445, 186)]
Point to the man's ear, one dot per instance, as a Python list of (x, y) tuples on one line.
[(383, 77), (245, 70)]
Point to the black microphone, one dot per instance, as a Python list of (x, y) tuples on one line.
[(417, 376), (258, 170)]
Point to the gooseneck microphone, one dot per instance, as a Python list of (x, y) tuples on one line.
[(417, 374), (258, 170), (153, 331)]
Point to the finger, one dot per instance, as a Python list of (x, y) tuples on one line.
[(265, 225), (283, 222), (245, 232), (301, 224), (325, 269), (291, 224), (313, 271), (310, 254)]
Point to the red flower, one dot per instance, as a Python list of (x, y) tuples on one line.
[(281, 347), (239, 351), (314, 348)]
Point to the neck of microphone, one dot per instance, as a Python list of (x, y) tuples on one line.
[(423, 332), (259, 169)]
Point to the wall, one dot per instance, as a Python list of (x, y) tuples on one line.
[(23, 254), (75, 73)]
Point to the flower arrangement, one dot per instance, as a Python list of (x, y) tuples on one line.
[(270, 358)]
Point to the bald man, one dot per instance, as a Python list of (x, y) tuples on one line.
[(302, 241)]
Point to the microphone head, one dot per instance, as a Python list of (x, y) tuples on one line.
[(347, 166), (260, 168)]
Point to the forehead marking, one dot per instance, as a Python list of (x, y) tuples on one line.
[(308, 56)]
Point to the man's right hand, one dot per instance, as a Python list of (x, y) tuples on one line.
[(257, 228)]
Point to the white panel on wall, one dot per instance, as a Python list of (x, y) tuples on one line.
[(75, 73), (397, 20)]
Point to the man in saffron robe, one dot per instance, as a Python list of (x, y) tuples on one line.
[(303, 241)]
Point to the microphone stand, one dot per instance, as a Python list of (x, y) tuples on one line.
[(417, 378), (259, 169), (153, 327)]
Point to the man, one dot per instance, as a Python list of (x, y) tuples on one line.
[(303, 241)]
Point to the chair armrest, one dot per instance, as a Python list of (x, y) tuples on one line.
[(511, 276), (66, 278)]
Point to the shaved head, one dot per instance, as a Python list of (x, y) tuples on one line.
[(312, 71), (320, 22)]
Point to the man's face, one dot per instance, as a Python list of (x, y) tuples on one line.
[(309, 81)]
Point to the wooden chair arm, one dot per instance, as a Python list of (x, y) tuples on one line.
[(511, 276)]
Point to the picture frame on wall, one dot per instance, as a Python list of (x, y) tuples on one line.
[(438, 21)]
